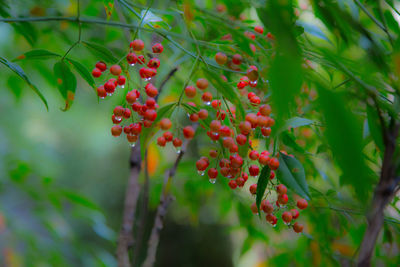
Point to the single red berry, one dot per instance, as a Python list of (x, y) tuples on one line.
[(150, 114), (101, 66), (203, 114), (302, 204), (101, 92), (212, 173), (241, 139), (206, 97), (157, 48), (295, 213), (266, 131), (232, 184), (273, 163), (263, 159), (154, 63), (252, 73), (127, 113), (190, 91), (253, 155), (259, 29), (215, 125), (297, 227), (201, 165), (161, 141), (237, 59), (177, 142), (137, 45), (213, 153), (168, 136), (245, 127), (265, 110), (151, 90), (281, 189), (283, 199), (216, 104), (96, 72), (165, 124), (131, 58), (131, 97), (287, 216), (119, 111), (254, 170), (131, 138), (136, 128), (150, 102), (116, 130), (141, 60), (194, 117), (225, 131), (267, 207), (254, 208), (121, 80), (221, 58), (115, 70), (202, 84), (188, 132), (253, 189)]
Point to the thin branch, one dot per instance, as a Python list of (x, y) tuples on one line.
[(125, 240), (165, 201)]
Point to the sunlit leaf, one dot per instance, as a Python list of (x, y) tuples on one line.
[(66, 83), (37, 54)]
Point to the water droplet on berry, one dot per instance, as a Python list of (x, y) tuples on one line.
[(133, 144), (213, 181), (201, 172), (118, 118), (122, 86), (147, 79), (207, 103), (133, 64), (273, 225), (102, 97), (109, 94), (253, 82)]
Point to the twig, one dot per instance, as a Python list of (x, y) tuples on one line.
[(125, 239), (166, 79), (165, 201)]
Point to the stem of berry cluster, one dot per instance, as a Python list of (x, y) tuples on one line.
[(165, 200)]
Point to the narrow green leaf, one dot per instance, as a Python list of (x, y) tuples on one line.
[(100, 51), (294, 123), (375, 128), (147, 133), (262, 183), (85, 74), (66, 82), (80, 199), (17, 69), (291, 173), (37, 54), (290, 140), (226, 90)]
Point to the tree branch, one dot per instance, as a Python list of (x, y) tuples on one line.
[(165, 200), (125, 239)]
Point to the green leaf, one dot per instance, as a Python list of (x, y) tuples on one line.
[(163, 112), (66, 82), (344, 136), (290, 140), (147, 16), (262, 183), (294, 123), (79, 199), (313, 30), (375, 128), (17, 69), (37, 54), (85, 74), (291, 173), (101, 52), (226, 90)]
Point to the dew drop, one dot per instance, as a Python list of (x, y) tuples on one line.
[(207, 103), (109, 94), (122, 86), (253, 82), (274, 225), (147, 79), (201, 172), (133, 144), (133, 64), (102, 97), (213, 181), (118, 118)]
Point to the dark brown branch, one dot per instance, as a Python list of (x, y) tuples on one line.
[(383, 195), (125, 239), (165, 201)]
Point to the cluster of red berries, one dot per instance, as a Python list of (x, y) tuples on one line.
[(146, 112), (281, 204)]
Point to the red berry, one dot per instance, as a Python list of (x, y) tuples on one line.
[(237, 59), (287, 216), (119, 111), (266, 131), (127, 113), (168, 136), (101, 66), (213, 153), (190, 91), (254, 208), (131, 58), (295, 213), (150, 114), (194, 117), (297, 227), (206, 97), (252, 73), (141, 60), (202, 84), (283, 199), (137, 45), (109, 86), (273, 163), (253, 155), (157, 48), (302, 204), (101, 92), (165, 124), (96, 72), (259, 29), (254, 170), (203, 114), (221, 58), (188, 132), (177, 142), (115, 70), (151, 90), (263, 159), (267, 207), (201, 165), (116, 130), (241, 139), (216, 104), (131, 97), (161, 141), (281, 189), (265, 110), (150, 102), (136, 128), (154, 63), (253, 189), (215, 125), (212, 173), (232, 184)]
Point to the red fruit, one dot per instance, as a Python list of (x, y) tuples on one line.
[(263, 159), (150, 102), (177, 142), (114, 120), (266, 131), (253, 155), (245, 176), (216, 104), (127, 113), (272, 175), (131, 58), (295, 213), (150, 114), (225, 131), (137, 45), (241, 85), (255, 100), (283, 199), (232, 184), (147, 123), (101, 66), (206, 97), (190, 91), (245, 127), (96, 72), (165, 124), (101, 92), (136, 106), (253, 189), (213, 153), (141, 60), (116, 130), (233, 149), (254, 170), (267, 207), (119, 111), (168, 136), (297, 227), (151, 90), (237, 59), (131, 138), (265, 110), (221, 58), (227, 142), (194, 117), (287, 216), (302, 204), (250, 35), (241, 139), (236, 161), (115, 70), (161, 141), (212, 173), (252, 118), (157, 48), (131, 97), (259, 29), (154, 63), (254, 208), (202, 84), (252, 73), (109, 86), (273, 163), (215, 125), (136, 128), (281, 189), (214, 136), (121, 80), (188, 132), (201, 165), (203, 114)]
